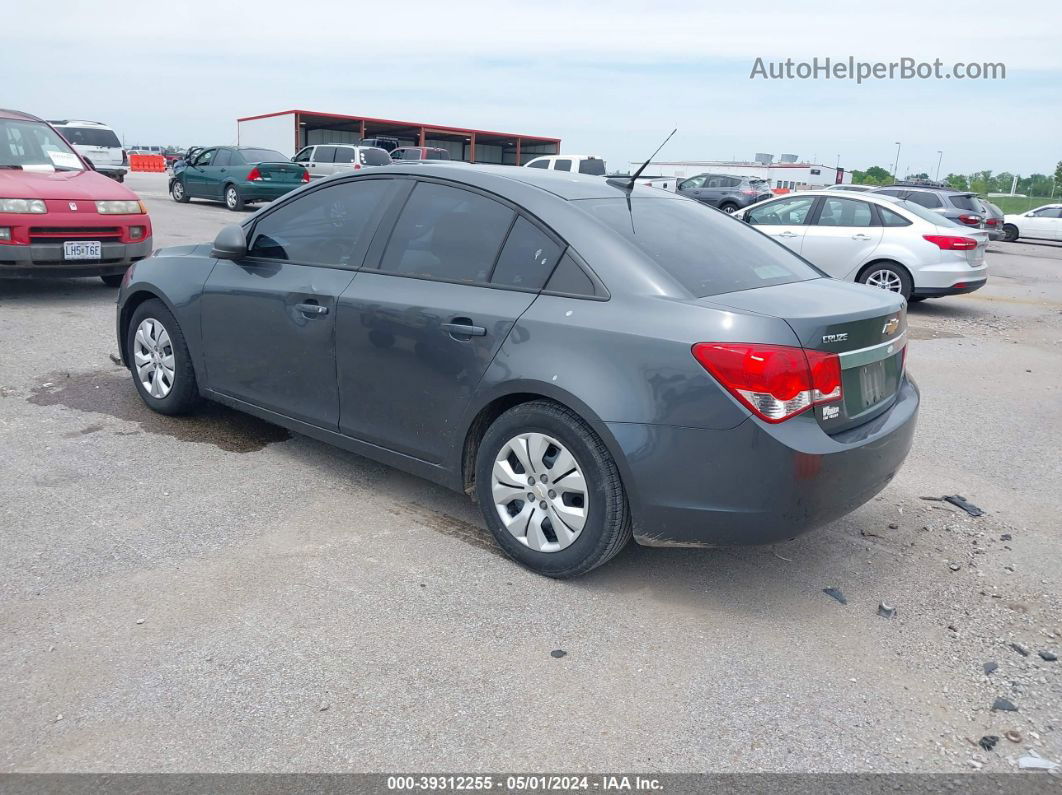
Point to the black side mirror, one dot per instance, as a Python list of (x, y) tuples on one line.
[(231, 243), (91, 165)]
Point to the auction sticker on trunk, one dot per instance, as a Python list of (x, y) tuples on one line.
[(82, 249)]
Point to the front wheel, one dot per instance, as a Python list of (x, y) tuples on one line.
[(887, 276), (1010, 233), (550, 491), (158, 358), (233, 200), (178, 191)]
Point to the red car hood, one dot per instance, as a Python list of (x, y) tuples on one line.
[(64, 185)]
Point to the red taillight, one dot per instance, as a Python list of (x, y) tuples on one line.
[(951, 242), (991, 221), (255, 175), (357, 166), (749, 192), (775, 381), (305, 176), (970, 220)]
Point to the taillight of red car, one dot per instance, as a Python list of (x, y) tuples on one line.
[(776, 382), (952, 242)]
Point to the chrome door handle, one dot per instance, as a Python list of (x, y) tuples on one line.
[(860, 236), (464, 330), (786, 234), (312, 310)]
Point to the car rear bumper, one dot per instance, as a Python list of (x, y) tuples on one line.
[(258, 191), (757, 483), (930, 279), (39, 260), (958, 288)]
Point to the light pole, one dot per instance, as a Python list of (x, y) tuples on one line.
[(896, 164), (940, 156)]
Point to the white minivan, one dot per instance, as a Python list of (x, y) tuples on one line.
[(580, 164), (98, 144), (324, 160)]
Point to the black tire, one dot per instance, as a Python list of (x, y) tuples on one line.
[(178, 192), (729, 208), (608, 522), (1010, 233), (233, 200), (120, 178), (914, 299), (184, 392), (898, 270), (113, 279)]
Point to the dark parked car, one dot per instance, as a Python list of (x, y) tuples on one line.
[(236, 175), (419, 153), (588, 361), (958, 206), (727, 192), (384, 142)]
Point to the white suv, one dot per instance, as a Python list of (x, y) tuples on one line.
[(580, 164), (98, 144)]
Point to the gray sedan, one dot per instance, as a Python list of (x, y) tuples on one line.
[(587, 360)]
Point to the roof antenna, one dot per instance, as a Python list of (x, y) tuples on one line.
[(629, 185)]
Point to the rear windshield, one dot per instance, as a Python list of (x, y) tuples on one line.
[(89, 136), (965, 202), (593, 167), (760, 184), (703, 249), (371, 156), (438, 154), (31, 144), (262, 156)]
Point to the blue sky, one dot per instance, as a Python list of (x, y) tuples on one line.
[(608, 78)]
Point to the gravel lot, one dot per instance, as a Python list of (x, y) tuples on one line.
[(216, 594)]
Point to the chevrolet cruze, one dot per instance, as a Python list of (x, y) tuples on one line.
[(588, 360)]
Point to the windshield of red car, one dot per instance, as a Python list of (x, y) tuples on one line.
[(33, 145)]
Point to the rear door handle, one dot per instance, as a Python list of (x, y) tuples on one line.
[(312, 310), (860, 236), (787, 234), (465, 329)]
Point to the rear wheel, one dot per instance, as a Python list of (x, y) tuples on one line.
[(728, 207), (888, 276), (178, 191), (113, 279), (159, 360), (233, 200), (1010, 233), (550, 491)]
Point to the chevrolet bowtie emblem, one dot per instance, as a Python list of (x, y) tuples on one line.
[(890, 327)]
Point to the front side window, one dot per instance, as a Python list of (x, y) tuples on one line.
[(693, 182), (205, 158), (447, 233), (562, 164), (322, 227), (324, 154), (702, 249), (784, 212), (1048, 212), (527, 259), (304, 155), (538, 164), (29, 144), (845, 212)]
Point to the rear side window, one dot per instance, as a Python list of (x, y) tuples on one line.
[(323, 227), (966, 203), (593, 167), (704, 250), (562, 164), (889, 218), (923, 199), (438, 154), (372, 156), (527, 259), (90, 136), (845, 212), (324, 154), (345, 154), (447, 233), (570, 279)]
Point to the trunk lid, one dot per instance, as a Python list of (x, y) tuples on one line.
[(866, 327), (285, 172)]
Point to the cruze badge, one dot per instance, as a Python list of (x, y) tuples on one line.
[(890, 327), (835, 337), (73, 206)]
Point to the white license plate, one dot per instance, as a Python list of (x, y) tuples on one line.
[(82, 249)]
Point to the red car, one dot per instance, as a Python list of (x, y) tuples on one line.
[(58, 217)]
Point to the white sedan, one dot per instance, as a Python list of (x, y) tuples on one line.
[(877, 240), (1043, 223)]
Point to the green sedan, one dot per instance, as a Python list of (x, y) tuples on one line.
[(237, 175)]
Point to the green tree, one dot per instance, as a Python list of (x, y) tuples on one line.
[(875, 175), (957, 181), (980, 181), (1058, 173), (1001, 182), (921, 175)]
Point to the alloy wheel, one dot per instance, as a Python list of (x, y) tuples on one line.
[(232, 198), (886, 280), (178, 191), (153, 358), (539, 492)]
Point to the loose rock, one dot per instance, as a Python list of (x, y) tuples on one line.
[(1013, 735), (836, 594), (954, 566), (990, 666), (1049, 656), (886, 611), (1024, 652), (1005, 705), (988, 742), (558, 653)]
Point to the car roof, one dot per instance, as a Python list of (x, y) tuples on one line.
[(17, 114), (507, 180), (925, 188), (76, 123), (859, 196)]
